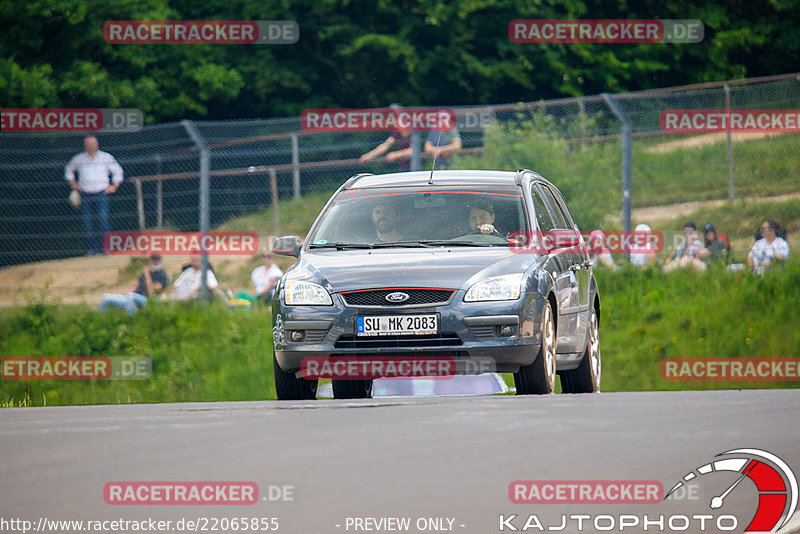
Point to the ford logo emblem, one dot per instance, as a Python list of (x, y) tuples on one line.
[(397, 296)]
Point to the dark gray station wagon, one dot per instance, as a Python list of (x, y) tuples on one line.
[(473, 266)]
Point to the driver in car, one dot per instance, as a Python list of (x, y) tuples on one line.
[(481, 219), (385, 219)]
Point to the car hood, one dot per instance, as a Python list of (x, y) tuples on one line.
[(455, 268)]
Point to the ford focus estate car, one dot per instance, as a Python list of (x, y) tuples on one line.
[(467, 266)]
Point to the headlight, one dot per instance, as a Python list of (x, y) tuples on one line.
[(306, 294), (500, 288)]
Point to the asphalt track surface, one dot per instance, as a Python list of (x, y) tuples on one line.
[(416, 458)]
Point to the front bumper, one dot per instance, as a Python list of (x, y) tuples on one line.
[(479, 336)]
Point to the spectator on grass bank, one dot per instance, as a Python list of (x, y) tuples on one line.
[(601, 254), (265, 277), (770, 250), (187, 285), (689, 252), (153, 279), (442, 145), (643, 256), (400, 140), (93, 168), (716, 250)]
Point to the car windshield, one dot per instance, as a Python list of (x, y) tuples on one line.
[(421, 217)]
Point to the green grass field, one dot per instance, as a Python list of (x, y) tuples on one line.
[(198, 353), (214, 353)]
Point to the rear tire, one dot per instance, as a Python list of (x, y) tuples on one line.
[(586, 378), (352, 389), (289, 387), (539, 378)]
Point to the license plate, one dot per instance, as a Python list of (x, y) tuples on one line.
[(393, 325)]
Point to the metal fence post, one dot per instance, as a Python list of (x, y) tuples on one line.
[(731, 193), (140, 204), (416, 143), (296, 165), (205, 168), (276, 217), (627, 137), (159, 195)]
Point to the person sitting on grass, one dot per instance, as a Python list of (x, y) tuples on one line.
[(643, 255), (716, 250), (265, 277), (770, 250), (187, 285), (689, 252), (153, 279), (601, 254)]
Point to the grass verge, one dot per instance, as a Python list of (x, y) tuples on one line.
[(214, 353)]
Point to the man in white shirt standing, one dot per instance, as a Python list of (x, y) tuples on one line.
[(94, 167), (265, 277)]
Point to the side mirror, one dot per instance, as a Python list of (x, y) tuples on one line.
[(287, 246), (565, 238)]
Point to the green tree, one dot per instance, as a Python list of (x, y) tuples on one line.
[(415, 52)]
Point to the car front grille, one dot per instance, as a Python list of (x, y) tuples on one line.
[(445, 339), (455, 354), (416, 297)]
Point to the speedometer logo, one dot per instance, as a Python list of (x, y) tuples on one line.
[(774, 480)]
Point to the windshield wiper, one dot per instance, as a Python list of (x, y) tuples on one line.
[(339, 245), (386, 244), (433, 243), (446, 243)]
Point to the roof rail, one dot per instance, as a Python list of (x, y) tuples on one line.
[(355, 177), (519, 175)]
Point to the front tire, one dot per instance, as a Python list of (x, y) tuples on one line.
[(586, 378), (539, 378), (352, 389), (289, 387)]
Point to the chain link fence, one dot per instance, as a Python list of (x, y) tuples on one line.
[(578, 143)]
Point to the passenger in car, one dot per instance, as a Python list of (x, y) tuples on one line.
[(385, 218)]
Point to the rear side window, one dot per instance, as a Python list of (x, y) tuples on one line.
[(541, 212), (558, 215)]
